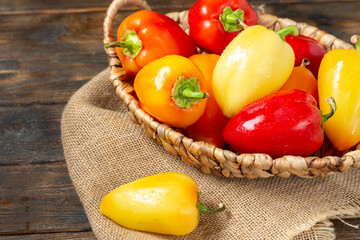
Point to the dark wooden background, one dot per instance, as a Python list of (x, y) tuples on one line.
[(48, 50)]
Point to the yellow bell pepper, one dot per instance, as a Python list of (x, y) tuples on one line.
[(339, 77), (164, 203), (257, 62)]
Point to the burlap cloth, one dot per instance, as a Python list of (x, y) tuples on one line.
[(105, 149)]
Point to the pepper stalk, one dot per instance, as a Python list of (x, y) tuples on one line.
[(186, 92), (201, 208), (231, 20), (356, 40), (325, 117), (130, 44), (305, 62), (292, 29)]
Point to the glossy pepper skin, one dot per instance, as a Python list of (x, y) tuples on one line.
[(147, 35), (161, 87), (211, 124), (339, 76), (165, 203), (282, 123), (212, 28), (302, 78), (256, 63), (309, 48)]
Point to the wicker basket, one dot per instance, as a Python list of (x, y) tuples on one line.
[(206, 156)]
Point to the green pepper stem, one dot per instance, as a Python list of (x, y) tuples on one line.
[(232, 20), (194, 94), (186, 92), (356, 40), (202, 208), (292, 29), (113, 44), (130, 44), (332, 103)]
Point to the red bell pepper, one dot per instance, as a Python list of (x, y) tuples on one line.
[(309, 48), (283, 123), (145, 36), (214, 23)]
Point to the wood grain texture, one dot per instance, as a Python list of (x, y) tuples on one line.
[(345, 232), (46, 57), (30, 134), (39, 199), (49, 57), (88, 235), (38, 6), (333, 18)]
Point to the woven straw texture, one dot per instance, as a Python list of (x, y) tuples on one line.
[(105, 149), (206, 156)]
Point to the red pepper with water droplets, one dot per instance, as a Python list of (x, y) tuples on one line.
[(283, 123)]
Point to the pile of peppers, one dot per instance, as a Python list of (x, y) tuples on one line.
[(254, 90)]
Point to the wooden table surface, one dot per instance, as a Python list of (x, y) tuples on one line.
[(49, 49)]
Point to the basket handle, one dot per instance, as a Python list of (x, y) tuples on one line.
[(109, 20)]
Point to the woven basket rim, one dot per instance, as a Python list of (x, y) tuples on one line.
[(206, 156)]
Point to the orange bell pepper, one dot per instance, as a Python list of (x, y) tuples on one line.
[(303, 79), (172, 89), (211, 124)]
